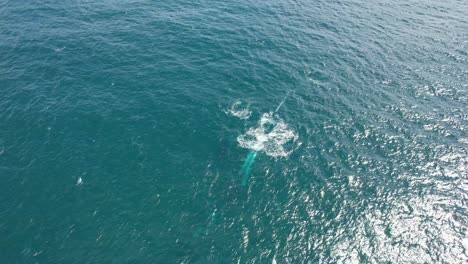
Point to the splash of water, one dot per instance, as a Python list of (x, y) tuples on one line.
[(272, 136), (239, 109)]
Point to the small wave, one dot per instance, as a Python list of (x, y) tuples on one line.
[(272, 136), (239, 109)]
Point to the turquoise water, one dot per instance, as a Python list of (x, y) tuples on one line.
[(124, 126)]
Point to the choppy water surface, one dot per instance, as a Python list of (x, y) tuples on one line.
[(124, 126)]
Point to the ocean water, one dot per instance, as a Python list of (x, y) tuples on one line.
[(124, 126)]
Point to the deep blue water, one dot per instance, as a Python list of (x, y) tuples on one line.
[(124, 126)]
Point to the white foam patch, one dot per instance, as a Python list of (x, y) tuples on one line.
[(239, 109), (270, 136)]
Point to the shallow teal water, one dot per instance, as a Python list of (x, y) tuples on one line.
[(124, 126)]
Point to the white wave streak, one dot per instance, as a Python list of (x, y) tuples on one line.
[(239, 109), (270, 136)]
